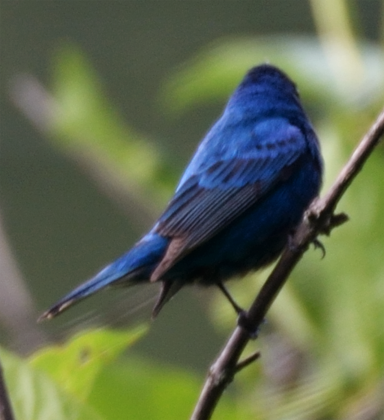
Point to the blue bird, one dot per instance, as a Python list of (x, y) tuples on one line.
[(240, 198)]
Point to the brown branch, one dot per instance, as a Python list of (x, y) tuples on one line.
[(5, 405), (318, 219)]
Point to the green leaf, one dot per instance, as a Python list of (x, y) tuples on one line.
[(89, 370), (76, 364), (34, 396), (137, 389)]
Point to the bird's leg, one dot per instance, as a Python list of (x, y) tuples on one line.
[(238, 309), (242, 320)]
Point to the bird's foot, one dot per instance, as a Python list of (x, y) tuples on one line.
[(319, 245), (244, 322)]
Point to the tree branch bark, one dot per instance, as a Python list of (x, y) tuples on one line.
[(318, 219)]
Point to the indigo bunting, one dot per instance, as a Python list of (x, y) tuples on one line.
[(238, 201)]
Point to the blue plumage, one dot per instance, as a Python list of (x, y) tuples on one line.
[(241, 196)]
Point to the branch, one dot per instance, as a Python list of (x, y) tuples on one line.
[(318, 219), (17, 309), (5, 405)]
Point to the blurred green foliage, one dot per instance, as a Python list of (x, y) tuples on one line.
[(323, 345), (87, 378), (87, 126)]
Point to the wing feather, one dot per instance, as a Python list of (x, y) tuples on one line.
[(212, 198)]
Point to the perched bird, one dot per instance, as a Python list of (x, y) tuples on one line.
[(238, 201)]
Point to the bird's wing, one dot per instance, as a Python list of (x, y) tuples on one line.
[(212, 198)]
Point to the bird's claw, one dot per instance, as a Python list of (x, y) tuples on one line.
[(244, 322), (319, 245)]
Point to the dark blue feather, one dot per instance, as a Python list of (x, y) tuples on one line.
[(244, 191)]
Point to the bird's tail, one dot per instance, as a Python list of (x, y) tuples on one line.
[(133, 267)]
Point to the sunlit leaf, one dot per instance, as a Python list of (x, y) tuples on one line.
[(76, 364), (34, 396)]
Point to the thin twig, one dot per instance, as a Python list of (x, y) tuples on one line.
[(247, 361), (5, 405), (319, 219)]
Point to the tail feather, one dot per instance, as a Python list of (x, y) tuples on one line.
[(105, 278), (133, 267)]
